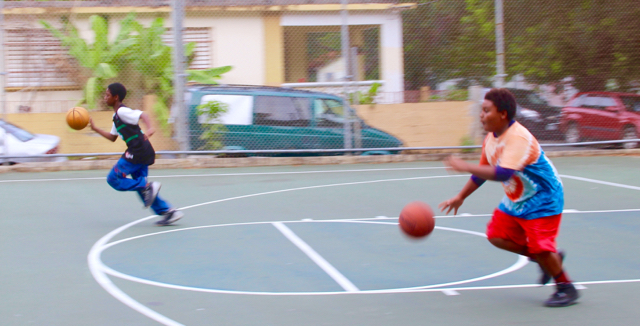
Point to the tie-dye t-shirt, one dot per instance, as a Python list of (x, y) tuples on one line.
[(535, 189)]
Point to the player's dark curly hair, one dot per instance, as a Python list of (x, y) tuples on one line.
[(119, 90), (503, 100)]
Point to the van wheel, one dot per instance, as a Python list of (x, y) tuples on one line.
[(573, 133), (629, 133)]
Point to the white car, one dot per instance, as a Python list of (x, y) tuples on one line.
[(15, 141)]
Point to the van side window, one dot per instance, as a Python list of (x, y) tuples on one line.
[(328, 113), (282, 111)]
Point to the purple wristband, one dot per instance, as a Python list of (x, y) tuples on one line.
[(503, 174), (477, 181)]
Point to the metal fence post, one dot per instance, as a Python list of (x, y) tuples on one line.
[(179, 63), (347, 74), (499, 44)]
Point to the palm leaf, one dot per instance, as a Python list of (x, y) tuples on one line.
[(101, 42), (90, 91)]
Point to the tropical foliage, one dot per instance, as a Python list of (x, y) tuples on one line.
[(213, 132), (102, 60), (136, 46)]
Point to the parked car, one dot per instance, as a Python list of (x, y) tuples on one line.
[(15, 141), (602, 116), (276, 118), (537, 115)]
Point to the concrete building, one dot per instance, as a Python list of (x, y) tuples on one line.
[(264, 40)]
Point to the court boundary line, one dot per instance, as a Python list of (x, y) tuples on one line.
[(521, 262), (231, 174), (104, 281), (612, 184), (97, 268)]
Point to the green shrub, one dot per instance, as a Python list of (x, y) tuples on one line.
[(467, 141), (213, 132), (457, 95)]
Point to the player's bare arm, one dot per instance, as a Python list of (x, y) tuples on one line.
[(103, 133), (486, 172), (457, 201), (147, 123)]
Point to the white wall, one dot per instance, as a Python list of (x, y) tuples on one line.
[(42, 101), (239, 42), (391, 41)]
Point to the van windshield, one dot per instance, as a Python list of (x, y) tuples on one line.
[(328, 113)]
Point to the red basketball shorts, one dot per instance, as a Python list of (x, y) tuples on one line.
[(538, 235)]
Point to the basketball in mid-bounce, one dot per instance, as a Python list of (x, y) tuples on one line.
[(77, 118), (416, 220)]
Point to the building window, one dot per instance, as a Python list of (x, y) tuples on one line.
[(35, 58), (202, 37)]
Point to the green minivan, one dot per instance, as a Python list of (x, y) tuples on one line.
[(275, 118)]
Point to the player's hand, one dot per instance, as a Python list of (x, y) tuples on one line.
[(454, 163), (93, 127), (149, 133), (451, 204)]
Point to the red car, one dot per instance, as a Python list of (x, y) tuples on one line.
[(602, 116)]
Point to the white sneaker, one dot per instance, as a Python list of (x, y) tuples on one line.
[(150, 193), (169, 217)]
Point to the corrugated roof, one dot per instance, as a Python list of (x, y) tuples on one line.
[(8, 4)]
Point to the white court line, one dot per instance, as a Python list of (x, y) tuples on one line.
[(322, 186), (230, 174), (435, 288), (100, 271), (613, 184), (521, 262), (96, 267), (566, 211), (396, 223), (323, 263)]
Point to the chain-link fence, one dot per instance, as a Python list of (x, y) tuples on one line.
[(365, 76)]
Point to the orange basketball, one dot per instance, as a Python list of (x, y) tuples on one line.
[(416, 219), (77, 118)]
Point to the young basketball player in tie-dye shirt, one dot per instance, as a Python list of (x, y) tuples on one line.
[(528, 218)]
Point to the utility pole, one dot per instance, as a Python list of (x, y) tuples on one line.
[(3, 73), (3, 81), (499, 44), (179, 65), (346, 57)]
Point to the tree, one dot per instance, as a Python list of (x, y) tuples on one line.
[(136, 46), (592, 41), (102, 60), (152, 59)]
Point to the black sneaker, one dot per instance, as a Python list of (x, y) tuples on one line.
[(566, 295), (545, 278), (170, 217), (150, 193)]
